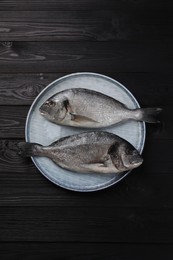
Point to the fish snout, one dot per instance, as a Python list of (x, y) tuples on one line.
[(132, 159), (42, 110), (137, 160)]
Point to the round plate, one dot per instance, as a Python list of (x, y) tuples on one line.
[(39, 130)]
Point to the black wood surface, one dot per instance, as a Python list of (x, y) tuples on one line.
[(130, 41)]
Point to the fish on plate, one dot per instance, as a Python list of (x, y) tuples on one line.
[(91, 109), (95, 151)]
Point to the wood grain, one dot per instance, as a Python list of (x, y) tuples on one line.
[(106, 25), (141, 189), (39, 5), (12, 121), (40, 57), (22, 89), (84, 224), (84, 251)]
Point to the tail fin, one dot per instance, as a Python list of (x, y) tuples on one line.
[(28, 149), (149, 115)]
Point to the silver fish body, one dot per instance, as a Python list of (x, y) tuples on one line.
[(97, 151), (87, 108)]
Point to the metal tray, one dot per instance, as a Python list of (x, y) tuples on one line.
[(39, 130)]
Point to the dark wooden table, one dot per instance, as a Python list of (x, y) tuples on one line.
[(129, 40)]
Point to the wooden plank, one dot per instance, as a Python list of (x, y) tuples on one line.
[(57, 5), (84, 251), (12, 121), (113, 25), (148, 88), (21, 184), (66, 57), (38, 5), (22, 89), (90, 16), (84, 224)]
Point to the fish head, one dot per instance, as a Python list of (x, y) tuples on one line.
[(130, 157), (54, 110), (124, 156)]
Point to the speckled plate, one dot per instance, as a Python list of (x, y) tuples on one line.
[(39, 130)]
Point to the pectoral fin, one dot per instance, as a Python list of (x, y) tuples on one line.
[(104, 166), (79, 118), (94, 167)]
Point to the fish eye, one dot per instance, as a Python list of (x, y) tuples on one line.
[(135, 152), (51, 103)]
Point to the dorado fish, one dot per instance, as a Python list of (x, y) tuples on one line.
[(87, 108), (99, 152)]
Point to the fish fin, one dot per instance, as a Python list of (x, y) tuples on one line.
[(106, 162), (149, 115), (28, 149), (98, 168), (79, 118), (93, 166)]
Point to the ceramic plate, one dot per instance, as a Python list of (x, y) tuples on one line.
[(39, 130)]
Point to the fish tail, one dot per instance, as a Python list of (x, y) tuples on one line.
[(149, 115), (29, 149)]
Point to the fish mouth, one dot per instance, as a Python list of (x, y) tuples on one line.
[(137, 162), (42, 112)]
